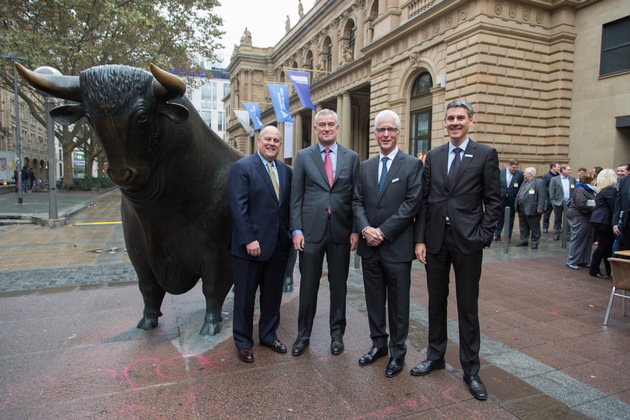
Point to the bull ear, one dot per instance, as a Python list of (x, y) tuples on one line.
[(175, 112), (67, 114)]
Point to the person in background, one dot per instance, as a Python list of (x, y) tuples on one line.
[(511, 180), (560, 192), (596, 170), (460, 207), (601, 219), (579, 212), (581, 171), (321, 223), (386, 201), (554, 171), (530, 203), (623, 169), (259, 190), (621, 221)]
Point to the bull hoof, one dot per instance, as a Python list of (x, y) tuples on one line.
[(210, 329), (148, 323), (288, 284)]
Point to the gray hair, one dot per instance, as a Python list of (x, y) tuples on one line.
[(326, 111), (387, 113), (460, 103), (531, 170)]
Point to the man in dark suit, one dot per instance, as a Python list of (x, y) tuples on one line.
[(554, 171), (530, 202), (461, 205), (386, 201), (621, 220), (259, 190), (511, 180), (321, 222)]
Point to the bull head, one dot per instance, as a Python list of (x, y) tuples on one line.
[(123, 104)]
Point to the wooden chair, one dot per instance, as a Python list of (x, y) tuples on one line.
[(621, 283)]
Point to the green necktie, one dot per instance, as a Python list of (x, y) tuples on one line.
[(274, 181)]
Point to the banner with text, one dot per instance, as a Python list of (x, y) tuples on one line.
[(254, 113), (243, 117), (302, 85), (280, 100)]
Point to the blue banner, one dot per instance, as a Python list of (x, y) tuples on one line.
[(302, 85), (254, 113), (280, 100)]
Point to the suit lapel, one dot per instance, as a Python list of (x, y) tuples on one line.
[(391, 173), (264, 174), (469, 154), (316, 155), (341, 161)]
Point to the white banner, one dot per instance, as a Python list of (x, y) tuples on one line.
[(288, 140), (243, 117)]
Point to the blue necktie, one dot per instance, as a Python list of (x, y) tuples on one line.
[(381, 181)]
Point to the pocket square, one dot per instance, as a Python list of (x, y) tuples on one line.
[(465, 155), (395, 180)]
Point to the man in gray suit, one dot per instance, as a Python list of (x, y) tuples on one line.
[(530, 203), (386, 201), (560, 192), (321, 223)]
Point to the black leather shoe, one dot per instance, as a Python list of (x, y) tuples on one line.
[(521, 244), (585, 265), (276, 346), (371, 356), (336, 346), (427, 367), (601, 276), (299, 346), (246, 355), (476, 387), (394, 367)]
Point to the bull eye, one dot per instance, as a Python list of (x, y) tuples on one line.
[(142, 117)]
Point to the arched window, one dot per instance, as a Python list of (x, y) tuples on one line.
[(421, 104), (328, 52)]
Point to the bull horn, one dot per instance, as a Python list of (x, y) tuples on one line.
[(64, 87), (169, 86)]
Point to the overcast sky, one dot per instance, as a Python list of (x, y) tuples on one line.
[(264, 19)]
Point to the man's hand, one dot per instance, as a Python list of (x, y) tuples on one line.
[(253, 249), (421, 252), (354, 241), (298, 242), (616, 230), (373, 236)]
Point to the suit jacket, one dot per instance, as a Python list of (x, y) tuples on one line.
[(556, 191), (473, 202), (509, 193), (533, 197), (622, 202), (393, 210), (604, 206), (311, 194), (257, 214)]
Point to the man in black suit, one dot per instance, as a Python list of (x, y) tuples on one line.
[(461, 205), (621, 220), (259, 189), (554, 171), (511, 180), (386, 200), (321, 222)]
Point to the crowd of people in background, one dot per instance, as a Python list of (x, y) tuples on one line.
[(29, 179), (593, 202)]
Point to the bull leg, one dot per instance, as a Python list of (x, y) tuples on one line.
[(153, 295), (216, 286)]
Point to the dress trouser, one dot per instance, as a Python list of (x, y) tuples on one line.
[(467, 274), (311, 261)]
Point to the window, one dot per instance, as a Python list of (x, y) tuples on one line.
[(615, 47), (421, 111)]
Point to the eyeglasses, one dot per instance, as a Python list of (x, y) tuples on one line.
[(383, 130)]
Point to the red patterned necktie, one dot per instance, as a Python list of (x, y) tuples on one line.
[(328, 166)]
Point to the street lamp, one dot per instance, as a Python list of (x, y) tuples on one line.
[(50, 131)]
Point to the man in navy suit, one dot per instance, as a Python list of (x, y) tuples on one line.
[(511, 180), (461, 205), (621, 219), (386, 201), (321, 224), (259, 190)]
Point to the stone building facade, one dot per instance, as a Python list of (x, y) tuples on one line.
[(531, 68)]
